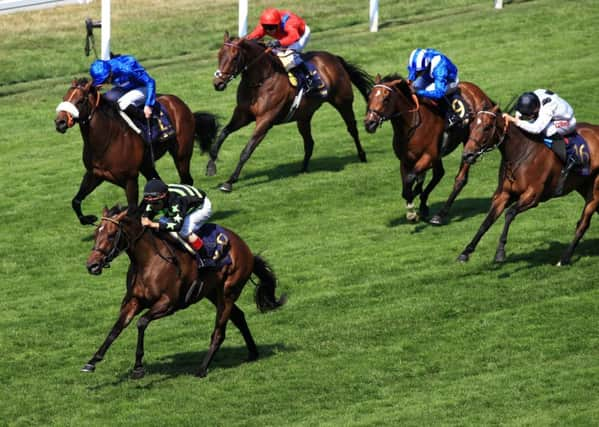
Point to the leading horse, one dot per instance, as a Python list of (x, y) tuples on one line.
[(266, 96), (113, 152), (163, 278), (418, 127), (529, 174)]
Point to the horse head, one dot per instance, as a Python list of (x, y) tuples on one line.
[(390, 97), (487, 131), (77, 105), (112, 236)]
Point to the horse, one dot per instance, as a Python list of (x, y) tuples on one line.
[(528, 174), (266, 96), (113, 152), (418, 127), (163, 278)]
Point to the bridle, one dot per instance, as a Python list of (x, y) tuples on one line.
[(500, 137), (379, 115), (114, 251), (227, 77), (72, 111)]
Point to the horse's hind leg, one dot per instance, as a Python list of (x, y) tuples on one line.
[(88, 184), (305, 130), (347, 112), (223, 312), (438, 173), (524, 203), (128, 312), (460, 182), (238, 319)]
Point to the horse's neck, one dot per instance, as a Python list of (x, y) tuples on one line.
[(258, 69), (99, 132), (144, 245), (517, 146)]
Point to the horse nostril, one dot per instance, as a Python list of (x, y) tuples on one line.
[(94, 268)]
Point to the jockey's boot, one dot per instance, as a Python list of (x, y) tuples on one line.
[(202, 258), (571, 162), (307, 77), (452, 119), (445, 143)]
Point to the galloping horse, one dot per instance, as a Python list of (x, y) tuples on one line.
[(164, 278), (528, 175), (417, 134), (113, 152), (266, 96)]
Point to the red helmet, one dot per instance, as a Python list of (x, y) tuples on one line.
[(270, 17)]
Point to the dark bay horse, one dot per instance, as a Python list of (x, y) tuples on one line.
[(115, 153), (265, 96), (528, 175), (163, 278), (418, 126)]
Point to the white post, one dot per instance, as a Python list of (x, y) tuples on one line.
[(243, 18), (374, 16), (498, 4), (105, 29)]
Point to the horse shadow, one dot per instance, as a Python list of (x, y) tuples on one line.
[(321, 164), (462, 209), (187, 363)]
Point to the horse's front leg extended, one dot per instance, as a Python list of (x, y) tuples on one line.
[(407, 193), (88, 184), (128, 311), (497, 207), (262, 128), (240, 118), (527, 200), (223, 312), (460, 182)]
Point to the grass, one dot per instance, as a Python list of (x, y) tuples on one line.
[(383, 326)]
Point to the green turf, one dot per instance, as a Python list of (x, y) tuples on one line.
[(383, 326)]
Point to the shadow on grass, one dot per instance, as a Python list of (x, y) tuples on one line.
[(461, 210), (188, 363)]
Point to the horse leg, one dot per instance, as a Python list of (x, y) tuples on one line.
[(159, 310), (132, 192), (238, 319), (498, 204), (408, 194), (438, 173), (591, 206), (347, 112), (224, 307), (306, 131), (461, 180), (182, 163), (128, 311), (526, 201), (262, 127), (239, 119), (88, 184)]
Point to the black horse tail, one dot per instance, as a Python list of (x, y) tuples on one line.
[(265, 290), (360, 78), (206, 129)]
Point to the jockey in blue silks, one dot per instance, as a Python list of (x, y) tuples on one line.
[(433, 76), (132, 86)]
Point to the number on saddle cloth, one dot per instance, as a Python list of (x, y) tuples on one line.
[(456, 108), (216, 243), (574, 147)]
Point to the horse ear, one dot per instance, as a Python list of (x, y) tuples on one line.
[(377, 78), (495, 109), (105, 211), (226, 36)]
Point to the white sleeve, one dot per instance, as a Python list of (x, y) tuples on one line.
[(539, 125)]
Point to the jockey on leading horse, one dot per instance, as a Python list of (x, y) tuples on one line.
[(291, 35)]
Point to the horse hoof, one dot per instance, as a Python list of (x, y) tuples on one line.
[(436, 220), (202, 373), (252, 357), (138, 373), (412, 216), (226, 187), (500, 257), (463, 258), (362, 157), (88, 219), (88, 368), (211, 168)]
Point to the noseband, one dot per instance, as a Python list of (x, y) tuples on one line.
[(71, 110)]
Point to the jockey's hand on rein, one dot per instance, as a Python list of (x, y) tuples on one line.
[(273, 44)]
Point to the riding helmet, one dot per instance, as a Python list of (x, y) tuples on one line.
[(155, 188), (270, 17), (418, 60), (100, 71), (528, 105)]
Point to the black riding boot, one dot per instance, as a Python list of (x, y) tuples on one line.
[(452, 119), (571, 162), (204, 261), (307, 77)]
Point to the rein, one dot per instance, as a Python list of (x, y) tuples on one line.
[(219, 74)]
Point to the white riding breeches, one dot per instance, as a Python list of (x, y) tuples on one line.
[(194, 221)]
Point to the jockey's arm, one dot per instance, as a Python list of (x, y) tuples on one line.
[(538, 126), (291, 37), (256, 34)]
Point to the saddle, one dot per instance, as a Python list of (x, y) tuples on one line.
[(572, 146), (160, 129), (306, 76), (216, 244)]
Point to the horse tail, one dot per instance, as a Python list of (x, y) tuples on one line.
[(206, 129), (360, 78), (265, 290)]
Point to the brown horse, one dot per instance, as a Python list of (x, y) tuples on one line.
[(164, 278), (418, 127), (266, 96), (529, 174), (113, 152)]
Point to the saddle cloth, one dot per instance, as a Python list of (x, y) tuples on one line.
[(457, 104), (216, 243), (296, 75), (161, 128), (576, 147)]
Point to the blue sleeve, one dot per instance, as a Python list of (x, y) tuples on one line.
[(411, 74), (440, 76), (142, 77)]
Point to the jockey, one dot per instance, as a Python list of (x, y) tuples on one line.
[(132, 86), (290, 34), (433, 76), (183, 209), (544, 113)]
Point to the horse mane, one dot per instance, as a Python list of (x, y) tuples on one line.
[(272, 58), (391, 77), (115, 210)]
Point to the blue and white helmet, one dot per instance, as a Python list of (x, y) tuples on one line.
[(418, 60)]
